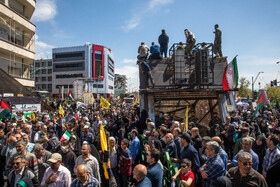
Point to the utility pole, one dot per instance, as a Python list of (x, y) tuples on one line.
[(253, 82)]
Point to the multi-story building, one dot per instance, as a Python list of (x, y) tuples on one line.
[(91, 63), (43, 75), (120, 84), (17, 51)]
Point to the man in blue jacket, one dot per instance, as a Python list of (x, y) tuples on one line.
[(134, 147), (154, 173), (155, 51)]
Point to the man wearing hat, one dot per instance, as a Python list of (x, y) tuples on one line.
[(56, 174), (147, 72), (188, 151), (202, 153), (86, 135)]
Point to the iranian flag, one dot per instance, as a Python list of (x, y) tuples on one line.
[(70, 95), (4, 109), (263, 100), (66, 136), (230, 79), (78, 114), (147, 131)]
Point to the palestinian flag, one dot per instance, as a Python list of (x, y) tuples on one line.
[(70, 95), (4, 109), (230, 78), (263, 100), (66, 136)]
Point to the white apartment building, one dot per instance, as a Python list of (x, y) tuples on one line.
[(17, 43)]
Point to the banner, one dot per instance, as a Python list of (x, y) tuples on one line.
[(104, 103)]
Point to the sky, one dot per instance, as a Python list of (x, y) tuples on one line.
[(250, 29)]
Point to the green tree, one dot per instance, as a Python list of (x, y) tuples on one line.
[(273, 93), (244, 89)]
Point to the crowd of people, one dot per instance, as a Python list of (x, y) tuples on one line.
[(56, 149)]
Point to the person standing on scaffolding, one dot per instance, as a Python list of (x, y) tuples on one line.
[(146, 70), (190, 42), (217, 47)]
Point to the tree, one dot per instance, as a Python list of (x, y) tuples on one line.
[(273, 93), (244, 90)]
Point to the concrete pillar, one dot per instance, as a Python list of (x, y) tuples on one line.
[(151, 108)]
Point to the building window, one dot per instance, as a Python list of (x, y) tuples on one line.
[(59, 67), (50, 63), (111, 71), (67, 76), (97, 85), (110, 60), (65, 86), (49, 86), (44, 79), (111, 87), (69, 55), (49, 71), (36, 79), (37, 64), (49, 78), (44, 71), (43, 86)]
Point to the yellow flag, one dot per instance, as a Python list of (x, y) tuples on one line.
[(186, 120), (60, 110), (104, 103), (32, 116), (103, 142), (138, 100), (135, 101)]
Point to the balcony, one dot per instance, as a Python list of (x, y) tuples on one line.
[(18, 68), (8, 47), (8, 15)]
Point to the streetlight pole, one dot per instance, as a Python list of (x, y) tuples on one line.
[(253, 82)]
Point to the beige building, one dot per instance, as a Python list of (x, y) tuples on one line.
[(17, 39)]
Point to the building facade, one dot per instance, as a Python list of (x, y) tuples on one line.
[(91, 64), (43, 75), (17, 43), (120, 85)]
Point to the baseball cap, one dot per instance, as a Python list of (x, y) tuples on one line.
[(55, 158), (206, 138)]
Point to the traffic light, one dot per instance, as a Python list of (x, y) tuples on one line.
[(273, 83), (255, 95)]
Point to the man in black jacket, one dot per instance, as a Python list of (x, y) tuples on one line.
[(171, 146), (163, 40), (20, 171)]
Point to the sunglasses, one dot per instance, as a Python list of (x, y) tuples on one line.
[(247, 163), (16, 163), (183, 166)]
